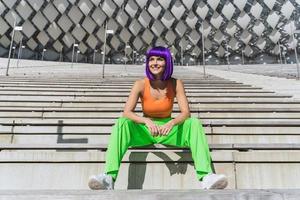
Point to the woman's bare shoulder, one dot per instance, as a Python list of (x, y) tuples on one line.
[(179, 82), (139, 84), (176, 82)]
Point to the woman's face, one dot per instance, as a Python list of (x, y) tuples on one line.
[(157, 65)]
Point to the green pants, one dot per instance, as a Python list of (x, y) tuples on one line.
[(126, 133)]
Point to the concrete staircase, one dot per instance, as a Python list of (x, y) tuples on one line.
[(55, 129), (153, 194)]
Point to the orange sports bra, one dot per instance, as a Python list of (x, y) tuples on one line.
[(158, 108)]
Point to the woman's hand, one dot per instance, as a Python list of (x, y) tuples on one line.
[(166, 128), (152, 127)]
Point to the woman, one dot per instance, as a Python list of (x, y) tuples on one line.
[(157, 92)]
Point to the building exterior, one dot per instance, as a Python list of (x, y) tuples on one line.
[(197, 32)]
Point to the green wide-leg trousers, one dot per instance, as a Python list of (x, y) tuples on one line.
[(126, 133)]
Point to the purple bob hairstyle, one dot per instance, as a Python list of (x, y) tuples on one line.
[(164, 53)]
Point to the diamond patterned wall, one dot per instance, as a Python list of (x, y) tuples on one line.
[(251, 26)]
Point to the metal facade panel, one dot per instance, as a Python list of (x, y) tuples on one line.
[(166, 22)]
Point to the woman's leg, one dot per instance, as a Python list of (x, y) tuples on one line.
[(125, 133), (191, 134)]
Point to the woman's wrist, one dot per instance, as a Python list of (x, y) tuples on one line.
[(172, 122), (145, 120)]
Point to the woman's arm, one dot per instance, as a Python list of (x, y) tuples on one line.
[(182, 103), (132, 101), (130, 105), (183, 106)]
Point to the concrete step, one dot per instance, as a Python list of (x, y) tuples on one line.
[(93, 156), (114, 99), (114, 103), (62, 138), (110, 122), (125, 94), (103, 146), (109, 80), (138, 110), (152, 194), (113, 85), (207, 87), (103, 115), (93, 77), (77, 129), (147, 169), (193, 105), (122, 90), (97, 79), (93, 134), (73, 155)]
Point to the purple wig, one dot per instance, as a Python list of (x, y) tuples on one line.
[(164, 53)]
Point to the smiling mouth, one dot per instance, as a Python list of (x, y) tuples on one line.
[(155, 67)]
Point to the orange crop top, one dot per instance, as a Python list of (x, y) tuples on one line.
[(158, 108)]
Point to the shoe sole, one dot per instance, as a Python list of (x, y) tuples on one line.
[(219, 184)]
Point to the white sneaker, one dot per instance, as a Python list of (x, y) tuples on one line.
[(214, 181), (101, 182)]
